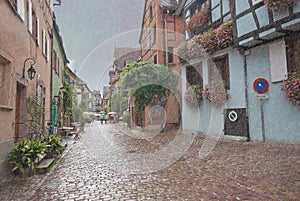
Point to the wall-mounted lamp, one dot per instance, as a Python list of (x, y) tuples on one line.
[(56, 100), (31, 71)]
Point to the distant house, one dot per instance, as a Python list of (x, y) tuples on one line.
[(123, 56), (59, 64), (162, 31), (96, 101)]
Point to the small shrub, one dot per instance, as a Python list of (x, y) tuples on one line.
[(54, 145), (23, 156)]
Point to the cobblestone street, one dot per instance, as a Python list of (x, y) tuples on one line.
[(92, 168)]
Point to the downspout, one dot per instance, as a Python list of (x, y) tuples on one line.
[(245, 53), (164, 36)]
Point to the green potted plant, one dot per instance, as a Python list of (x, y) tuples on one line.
[(54, 145), (23, 156)]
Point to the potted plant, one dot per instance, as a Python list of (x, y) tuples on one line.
[(54, 145), (279, 5), (23, 156), (215, 93), (199, 20), (217, 39), (193, 96), (189, 50), (291, 88)]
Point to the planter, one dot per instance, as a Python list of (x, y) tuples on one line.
[(280, 15)]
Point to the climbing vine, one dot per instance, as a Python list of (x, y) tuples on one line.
[(144, 80)]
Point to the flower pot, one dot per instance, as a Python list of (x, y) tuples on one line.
[(280, 15)]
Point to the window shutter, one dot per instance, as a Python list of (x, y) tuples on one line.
[(44, 42), (20, 7), (48, 50), (278, 62), (37, 31), (30, 16)]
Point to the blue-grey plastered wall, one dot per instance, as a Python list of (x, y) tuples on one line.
[(282, 119), (207, 118)]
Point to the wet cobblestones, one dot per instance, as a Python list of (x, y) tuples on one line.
[(232, 171)]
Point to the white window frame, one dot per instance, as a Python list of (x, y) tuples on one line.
[(30, 16)]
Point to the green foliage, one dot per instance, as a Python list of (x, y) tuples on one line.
[(126, 116), (69, 97), (35, 110), (54, 145), (131, 67), (77, 114), (145, 94), (144, 80), (22, 157), (85, 101), (119, 102)]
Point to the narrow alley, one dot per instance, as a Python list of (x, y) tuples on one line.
[(90, 170)]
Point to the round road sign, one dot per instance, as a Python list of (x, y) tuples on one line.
[(232, 116), (261, 85)]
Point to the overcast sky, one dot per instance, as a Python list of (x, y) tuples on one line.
[(91, 29)]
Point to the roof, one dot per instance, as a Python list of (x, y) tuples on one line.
[(60, 40), (169, 4), (122, 56)]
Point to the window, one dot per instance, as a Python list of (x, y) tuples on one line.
[(44, 42), (151, 12), (55, 63), (220, 70), (35, 27), (29, 11), (46, 47), (18, 6), (5, 81), (155, 59), (153, 36), (194, 75), (293, 53), (148, 42), (170, 55)]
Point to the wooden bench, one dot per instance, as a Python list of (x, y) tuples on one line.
[(45, 163)]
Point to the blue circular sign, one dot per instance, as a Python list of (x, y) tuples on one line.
[(261, 85)]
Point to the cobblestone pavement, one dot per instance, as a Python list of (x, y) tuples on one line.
[(92, 169)]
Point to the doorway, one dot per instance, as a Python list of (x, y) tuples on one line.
[(20, 116)]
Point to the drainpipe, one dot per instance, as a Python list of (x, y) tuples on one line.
[(164, 36), (246, 53)]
